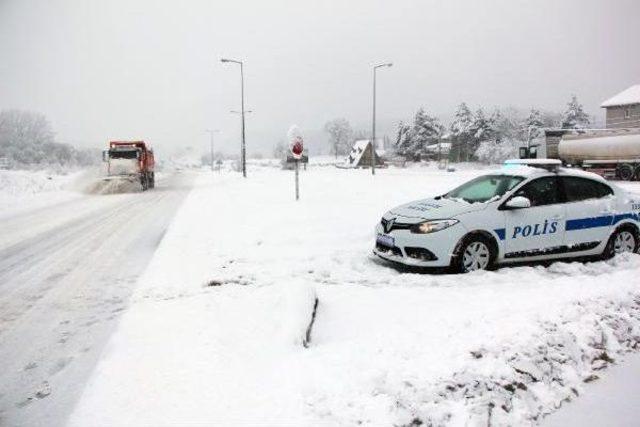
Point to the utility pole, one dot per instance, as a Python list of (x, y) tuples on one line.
[(211, 132), (373, 131), (243, 150)]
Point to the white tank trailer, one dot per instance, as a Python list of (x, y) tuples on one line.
[(615, 155), (612, 153)]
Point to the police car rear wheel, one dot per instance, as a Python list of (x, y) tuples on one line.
[(475, 254), (624, 241)]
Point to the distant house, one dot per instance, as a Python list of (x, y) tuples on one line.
[(360, 156), (623, 110)]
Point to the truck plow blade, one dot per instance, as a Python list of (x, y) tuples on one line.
[(115, 185)]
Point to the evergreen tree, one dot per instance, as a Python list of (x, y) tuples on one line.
[(411, 141), (426, 130), (574, 117), (403, 140), (532, 125), (499, 125), (461, 132), (481, 130)]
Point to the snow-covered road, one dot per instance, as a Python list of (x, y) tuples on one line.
[(66, 272)]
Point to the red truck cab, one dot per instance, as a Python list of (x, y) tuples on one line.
[(131, 160)]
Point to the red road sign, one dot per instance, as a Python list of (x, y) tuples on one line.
[(297, 148)]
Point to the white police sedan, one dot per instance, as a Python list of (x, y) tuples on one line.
[(519, 213)]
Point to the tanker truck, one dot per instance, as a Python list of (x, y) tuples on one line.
[(130, 161), (611, 153)]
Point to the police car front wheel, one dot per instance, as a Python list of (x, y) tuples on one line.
[(476, 253)]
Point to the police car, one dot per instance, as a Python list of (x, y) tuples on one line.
[(530, 210)]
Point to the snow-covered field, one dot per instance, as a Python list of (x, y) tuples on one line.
[(25, 190), (213, 335)]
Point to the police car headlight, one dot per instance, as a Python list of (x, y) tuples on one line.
[(433, 226)]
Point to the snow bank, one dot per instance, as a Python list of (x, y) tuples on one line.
[(213, 333), (22, 190)]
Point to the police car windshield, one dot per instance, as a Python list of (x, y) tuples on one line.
[(484, 188)]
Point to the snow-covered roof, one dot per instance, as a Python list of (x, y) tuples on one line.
[(354, 157), (360, 144), (443, 146), (626, 97)]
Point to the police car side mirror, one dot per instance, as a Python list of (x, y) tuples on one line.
[(518, 202)]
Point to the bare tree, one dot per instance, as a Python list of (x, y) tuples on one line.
[(340, 133), (26, 138), (280, 150)]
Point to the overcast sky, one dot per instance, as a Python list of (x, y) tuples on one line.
[(150, 69)]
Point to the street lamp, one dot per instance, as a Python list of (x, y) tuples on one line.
[(373, 132), (211, 132), (243, 152)]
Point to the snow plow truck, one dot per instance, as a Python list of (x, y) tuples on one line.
[(130, 161)]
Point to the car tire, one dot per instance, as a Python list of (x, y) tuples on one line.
[(624, 239), (625, 172), (475, 252)]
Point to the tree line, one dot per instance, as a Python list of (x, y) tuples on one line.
[(483, 137), (27, 140), (473, 135)]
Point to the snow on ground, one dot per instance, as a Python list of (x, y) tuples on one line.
[(611, 401), (213, 335), (25, 190)]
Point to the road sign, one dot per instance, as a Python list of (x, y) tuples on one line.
[(297, 147)]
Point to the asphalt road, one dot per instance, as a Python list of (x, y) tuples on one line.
[(66, 273)]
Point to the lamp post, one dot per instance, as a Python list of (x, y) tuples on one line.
[(373, 131), (211, 132), (243, 151)]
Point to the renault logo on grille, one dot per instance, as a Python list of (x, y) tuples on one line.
[(388, 225)]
